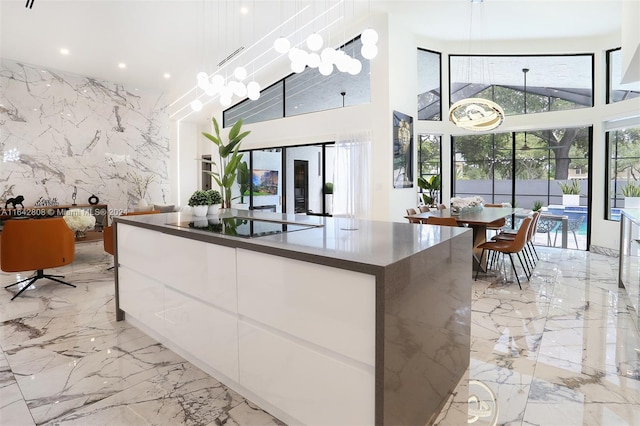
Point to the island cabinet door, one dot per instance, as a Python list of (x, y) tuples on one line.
[(203, 331), (307, 338), (142, 298)]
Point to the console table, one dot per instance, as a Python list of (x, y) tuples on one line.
[(100, 211)]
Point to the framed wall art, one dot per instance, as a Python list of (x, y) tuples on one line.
[(402, 150)]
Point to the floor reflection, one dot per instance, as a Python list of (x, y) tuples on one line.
[(564, 350)]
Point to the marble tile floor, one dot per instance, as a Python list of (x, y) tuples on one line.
[(65, 360), (561, 351)]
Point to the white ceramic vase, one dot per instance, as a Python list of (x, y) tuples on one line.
[(200, 211), (213, 209)]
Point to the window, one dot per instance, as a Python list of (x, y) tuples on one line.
[(311, 91), (616, 90), (554, 83), (429, 86), (308, 91), (624, 166), (429, 157), (268, 106)]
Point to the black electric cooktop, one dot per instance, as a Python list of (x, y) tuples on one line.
[(240, 226)]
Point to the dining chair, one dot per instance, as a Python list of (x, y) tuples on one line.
[(36, 245), (498, 224), (424, 209), (546, 226), (510, 247), (530, 252), (411, 211), (443, 221), (442, 207), (573, 225)]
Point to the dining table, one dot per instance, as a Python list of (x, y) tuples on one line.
[(478, 220)]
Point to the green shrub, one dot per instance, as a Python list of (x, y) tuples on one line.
[(632, 189), (215, 196), (570, 187), (199, 198)]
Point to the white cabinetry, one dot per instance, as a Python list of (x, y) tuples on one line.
[(184, 291), (296, 337)]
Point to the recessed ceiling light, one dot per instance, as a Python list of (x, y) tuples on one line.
[(64, 51), (122, 65), (244, 10), (167, 75)]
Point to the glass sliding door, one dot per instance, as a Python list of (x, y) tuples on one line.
[(308, 169), (483, 166), (539, 161), (266, 174)]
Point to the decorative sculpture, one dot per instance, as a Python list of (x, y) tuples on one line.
[(14, 202)]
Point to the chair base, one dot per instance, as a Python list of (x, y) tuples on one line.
[(32, 279)]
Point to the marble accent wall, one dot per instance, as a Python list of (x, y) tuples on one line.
[(72, 130)]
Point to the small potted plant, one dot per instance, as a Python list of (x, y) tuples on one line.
[(570, 192), (216, 201), (200, 202), (537, 205), (631, 193)]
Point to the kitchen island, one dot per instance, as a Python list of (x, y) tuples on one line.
[(317, 320)]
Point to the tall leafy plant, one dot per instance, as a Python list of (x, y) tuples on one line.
[(243, 179), (230, 157), (432, 186)]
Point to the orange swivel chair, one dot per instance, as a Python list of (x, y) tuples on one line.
[(36, 244)]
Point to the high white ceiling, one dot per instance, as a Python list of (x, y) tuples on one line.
[(182, 37)]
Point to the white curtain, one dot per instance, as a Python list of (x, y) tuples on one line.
[(352, 176)]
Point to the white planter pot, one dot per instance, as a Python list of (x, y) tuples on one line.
[(632, 202), (213, 209), (570, 199), (328, 202), (200, 211)]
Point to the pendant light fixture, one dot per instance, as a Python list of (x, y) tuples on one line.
[(224, 86), (326, 59), (477, 114)]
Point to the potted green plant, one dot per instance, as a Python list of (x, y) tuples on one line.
[(327, 190), (432, 186), (537, 205), (200, 201), (570, 192), (216, 201), (631, 192), (230, 157)]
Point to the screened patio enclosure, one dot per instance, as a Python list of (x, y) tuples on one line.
[(526, 169)]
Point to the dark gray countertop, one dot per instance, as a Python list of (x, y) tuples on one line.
[(365, 246)]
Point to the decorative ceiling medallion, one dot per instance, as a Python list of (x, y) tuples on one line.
[(476, 114)]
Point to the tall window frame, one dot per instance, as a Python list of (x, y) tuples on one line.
[(623, 166), (429, 85)]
